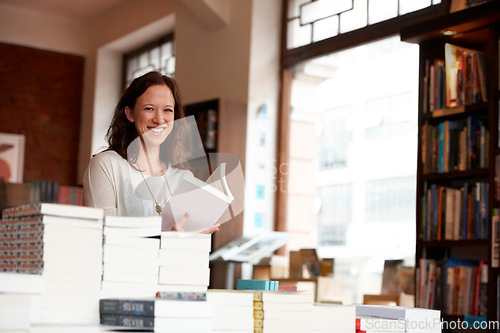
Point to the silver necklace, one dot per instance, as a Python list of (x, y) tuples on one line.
[(157, 206)]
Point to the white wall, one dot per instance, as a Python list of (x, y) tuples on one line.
[(213, 62), (224, 48), (21, 27)]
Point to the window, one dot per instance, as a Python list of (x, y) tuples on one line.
[(356, 112), (310, 21), (158, 55)]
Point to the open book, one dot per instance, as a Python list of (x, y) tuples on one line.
[(204, 201)]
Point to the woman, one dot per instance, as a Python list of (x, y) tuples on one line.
[(135, 176)]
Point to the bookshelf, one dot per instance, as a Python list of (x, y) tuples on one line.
[(457, 159), (222, 126)]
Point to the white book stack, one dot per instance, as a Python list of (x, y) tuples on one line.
[(287, 311), (63, 244), (15, 312), (156, 314), (232, 310), (20, 296), (183, 262), (415, 320), (130, 256), (333, 318)]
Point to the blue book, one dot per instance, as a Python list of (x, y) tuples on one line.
[(244, 284), (441, 148)]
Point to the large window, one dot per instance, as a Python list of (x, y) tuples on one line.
[(360, 106), (158, 55), (310, 21)]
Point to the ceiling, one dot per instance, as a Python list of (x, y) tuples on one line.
[(71, 9)]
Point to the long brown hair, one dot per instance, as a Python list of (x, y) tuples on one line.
[(122, 132)]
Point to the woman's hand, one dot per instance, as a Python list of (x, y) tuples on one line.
[(178, 226)]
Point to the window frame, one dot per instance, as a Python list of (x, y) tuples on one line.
[(291, 57), (143, 49)]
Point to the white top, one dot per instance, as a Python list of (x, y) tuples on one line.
[(112, 184)]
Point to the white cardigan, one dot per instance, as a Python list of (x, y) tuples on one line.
[(112, 184)]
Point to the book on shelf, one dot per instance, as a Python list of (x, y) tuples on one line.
[(465, 76), (434, 89), (459, 288), (495, 239), (205, 201), (455, 145), (455, 213)]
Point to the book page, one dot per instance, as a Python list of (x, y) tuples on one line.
[(218, 180)]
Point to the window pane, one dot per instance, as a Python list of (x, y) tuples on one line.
[(408, 6), (159, 56), (360, 108), (381, 10), (321, 9), (323, 16), (326, 28), (298, 35), (354, 19)]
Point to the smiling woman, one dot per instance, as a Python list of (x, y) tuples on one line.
[(145, 160)]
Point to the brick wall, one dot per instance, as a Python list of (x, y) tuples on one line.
[(41, 97)]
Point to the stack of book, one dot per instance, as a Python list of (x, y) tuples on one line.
[(130, 256), (174, 313), (63, 244), (283, 311), (233, 310), (397, 319), (333, 318), (183, 262), (377, 324), (19, 296)]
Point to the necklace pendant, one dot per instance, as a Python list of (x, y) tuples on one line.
[(158, 209)]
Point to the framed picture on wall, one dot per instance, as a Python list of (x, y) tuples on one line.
[(12, 157)]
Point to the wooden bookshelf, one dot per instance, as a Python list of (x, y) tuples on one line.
[(476, 28)]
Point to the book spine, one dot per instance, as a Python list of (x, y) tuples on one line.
[(182, 296), (257, 285), (130, 321), (127, 307)]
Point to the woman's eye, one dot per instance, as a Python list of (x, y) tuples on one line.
[(148, 109), (168, 110)]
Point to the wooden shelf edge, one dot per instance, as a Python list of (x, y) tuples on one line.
[(461, 21), (454, 243), (475, 173)]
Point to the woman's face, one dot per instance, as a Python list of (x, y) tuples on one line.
[(153, 114)]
